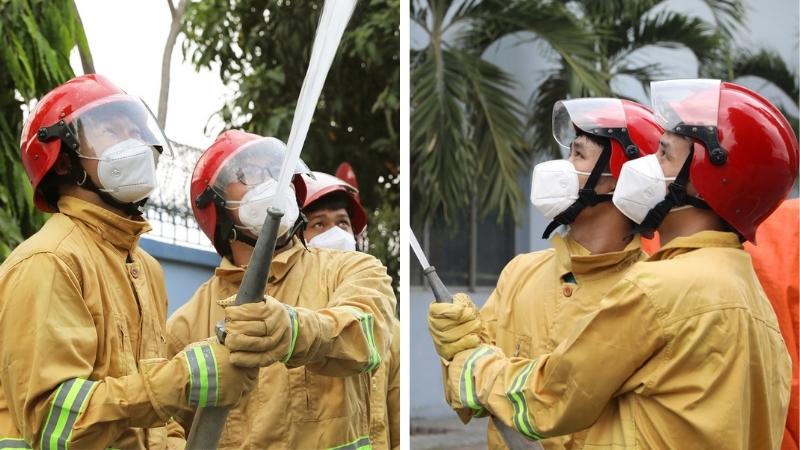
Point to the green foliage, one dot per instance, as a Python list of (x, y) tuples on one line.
[(37, 38), (621, 28), (764, 64), (466, 136), (466, 126), (262, 47), (383, 233)]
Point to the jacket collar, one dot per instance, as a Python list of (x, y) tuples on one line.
[(120, 231), (703, 239), (574, 258), (281, 264)]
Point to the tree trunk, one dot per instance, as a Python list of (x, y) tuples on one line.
[(426, 247), (87, 63), (166, 60), (473, 242)]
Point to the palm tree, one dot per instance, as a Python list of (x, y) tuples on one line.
[(623, 28), (466, 126), (34, 58), (764, 64)]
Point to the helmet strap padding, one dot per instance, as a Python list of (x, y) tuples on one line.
[(587, 196), (226, 229), (677, 195), (82, 179), (299, 228)]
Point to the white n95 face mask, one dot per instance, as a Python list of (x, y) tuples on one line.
[(127, 170), (641, 186), (334, 238), (255, 203), (555, 186)]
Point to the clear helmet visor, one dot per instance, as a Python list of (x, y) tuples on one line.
[(685, 102), (252, 166), (597, 116), (113, 120)]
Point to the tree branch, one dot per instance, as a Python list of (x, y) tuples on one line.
[(87, 63), (166, 60)]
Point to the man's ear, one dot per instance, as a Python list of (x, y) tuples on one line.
[(63, 165)]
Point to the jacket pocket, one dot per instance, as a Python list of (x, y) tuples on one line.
[(156, 343), (513, 344), (332, 397), (125, 362)]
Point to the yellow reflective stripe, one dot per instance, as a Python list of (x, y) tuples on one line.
[(468, 393), (68, 404), (362, 443), (203, 376), (366, 322), (13, 443), (516, 393), (374, 356), (19, 443), (293, 330)]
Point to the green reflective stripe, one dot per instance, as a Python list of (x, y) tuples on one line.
[(366, 321), (203, 376), (468, 395), (374, 356), (213, 375), (202, 398), (294, 330), (9, 443), (193, 396), (362, 443), (68, 404), (517, 396)]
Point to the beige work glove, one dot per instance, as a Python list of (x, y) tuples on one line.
[(262, 333), (199, 376), (455, 326)]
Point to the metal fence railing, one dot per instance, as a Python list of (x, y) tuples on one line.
[(169, 210)]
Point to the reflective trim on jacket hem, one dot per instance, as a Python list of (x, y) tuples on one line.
[(19, 443), (203, 376), (68, 404), (293, 330), (469, 397), (9, 443), (362, 443), (516, 394)]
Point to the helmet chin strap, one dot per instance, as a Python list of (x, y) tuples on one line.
[(82, 179), (282, 241), (677, 195), (226, 229), (586, 196)]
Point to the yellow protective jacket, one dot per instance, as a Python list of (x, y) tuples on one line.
[(539, 298), (683, 353), (385, 398), (318, 405), (80, 305)]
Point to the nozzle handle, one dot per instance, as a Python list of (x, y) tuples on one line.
[(440, 292)]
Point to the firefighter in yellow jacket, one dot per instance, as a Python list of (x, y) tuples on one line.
[(336, 220), (684, 351), (82, 307), (324, 327), (541, 295)]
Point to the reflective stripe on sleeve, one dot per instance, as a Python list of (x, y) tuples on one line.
[(516, 393), (203, 376), (469, 396), (294, 330), (366, 321), (68, 404)]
